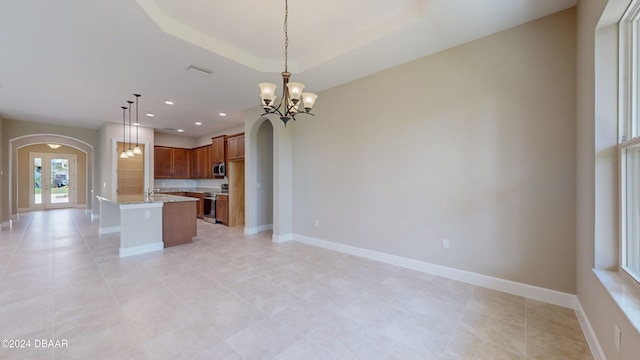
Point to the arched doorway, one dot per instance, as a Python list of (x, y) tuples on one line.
[(282, 177), (16, 143)]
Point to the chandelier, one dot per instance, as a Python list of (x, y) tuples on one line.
[(289, 104)]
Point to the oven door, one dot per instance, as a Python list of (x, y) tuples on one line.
[(209, 209)]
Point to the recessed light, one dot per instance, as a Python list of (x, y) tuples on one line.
[(150, 115), (222, 114), (198, 123), (136, 124), (168, 102), (180, 130)]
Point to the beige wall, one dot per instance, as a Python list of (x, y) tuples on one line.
[(162, 139), (13, 129), (265, 174), (597, 214), (475, 144), (4, 170), (109, 135), (24, 170)]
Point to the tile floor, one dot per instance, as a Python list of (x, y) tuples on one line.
[(231, 296)]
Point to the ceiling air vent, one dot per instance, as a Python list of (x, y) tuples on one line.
[(200, 70)]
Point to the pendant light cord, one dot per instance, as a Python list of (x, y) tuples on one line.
[(124, 129), (130, 103), (137, 122)]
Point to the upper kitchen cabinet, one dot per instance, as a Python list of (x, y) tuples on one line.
[(218, 149), (235, 147), (201, 168), (171, 163)]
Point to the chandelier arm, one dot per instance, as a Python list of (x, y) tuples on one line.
[(272, 110)]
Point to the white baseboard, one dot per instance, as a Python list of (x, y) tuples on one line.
[(108, 230), (95, 216), (258, 229), (142, 249), (7, 224), (81, 206), (281, 238), (589, 334), (507, 286)]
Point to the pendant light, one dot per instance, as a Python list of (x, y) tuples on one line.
[(291, 91), (130, 151), (137, 150), (124, 155)]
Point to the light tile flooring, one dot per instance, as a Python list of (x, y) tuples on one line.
[(231, 296)]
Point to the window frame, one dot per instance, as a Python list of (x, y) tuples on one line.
[(629, 125)]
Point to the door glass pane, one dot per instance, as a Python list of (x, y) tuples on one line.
[(37, 181), (59, 181)]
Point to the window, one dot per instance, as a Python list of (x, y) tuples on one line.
[(629, 143)]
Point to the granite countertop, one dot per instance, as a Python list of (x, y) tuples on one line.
[(192, 190), (139, 199)]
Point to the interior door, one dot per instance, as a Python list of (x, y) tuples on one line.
[(53, 179)]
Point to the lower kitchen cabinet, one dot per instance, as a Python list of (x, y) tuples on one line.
[(178, 223), (222, 209), (200, 205)]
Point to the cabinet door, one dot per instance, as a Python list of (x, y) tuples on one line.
[(222, 210), (200, 205), (233, 148), (204, 162), (241, 147), (198, 165), (217, 149), (236, 147), (181, 163), (162, 162), (195, 170)]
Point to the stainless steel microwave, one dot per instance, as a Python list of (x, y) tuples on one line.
[(219, 169)]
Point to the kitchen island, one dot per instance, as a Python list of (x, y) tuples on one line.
[(148, 224)]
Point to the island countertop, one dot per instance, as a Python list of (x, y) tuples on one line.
[(140, 199)]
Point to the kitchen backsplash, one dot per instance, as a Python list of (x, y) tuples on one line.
[(189, 183)]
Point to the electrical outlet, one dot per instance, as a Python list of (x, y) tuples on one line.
[(317, 222), (147, 214), (616, 337), (445, 243)]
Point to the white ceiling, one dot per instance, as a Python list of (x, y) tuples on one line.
[(75, 62)]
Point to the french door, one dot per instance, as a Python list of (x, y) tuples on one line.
[(53, 182)]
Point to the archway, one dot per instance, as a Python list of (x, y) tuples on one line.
[(33, 139)]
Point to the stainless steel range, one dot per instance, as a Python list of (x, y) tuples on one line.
[(210, 204)]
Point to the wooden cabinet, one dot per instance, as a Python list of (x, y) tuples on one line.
[(171, 163), (178, 223), (222, 209), (218, 153), (200, 205), (163, 162), (235, 147), (201, 168)]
